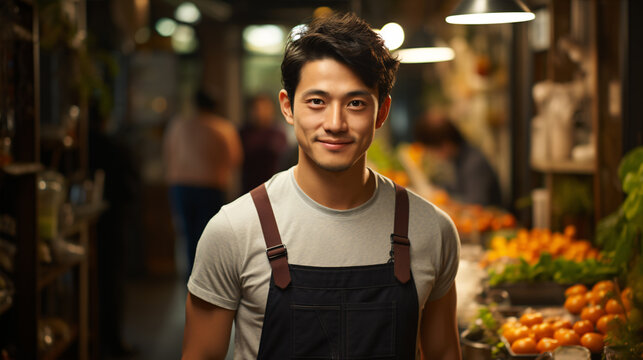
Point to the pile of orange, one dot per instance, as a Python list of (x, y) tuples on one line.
[(472, 218), (530, 244), (600, 309)]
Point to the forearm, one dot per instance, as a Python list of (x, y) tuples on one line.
[(439, 337)]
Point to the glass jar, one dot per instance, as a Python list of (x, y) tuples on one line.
[(51, 195)]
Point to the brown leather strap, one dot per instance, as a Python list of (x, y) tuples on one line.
[(275, 249), (399, 237)]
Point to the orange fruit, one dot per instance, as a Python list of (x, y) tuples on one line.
[(552, 319), (515, 333), (567, 337), (531, 318), (599, 297), (603, 285), (524, 346), (561, 324), (593, 341), (592, 313), (546, 344), (575, 303), (577, 289), (542, 330), (607, 322), (612, 306), (508, 221), (583, 326), (513, 322)]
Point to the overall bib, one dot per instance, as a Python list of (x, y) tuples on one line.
[(355, 312)]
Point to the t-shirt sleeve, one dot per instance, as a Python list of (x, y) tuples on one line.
[(449, 258), (215, 274)]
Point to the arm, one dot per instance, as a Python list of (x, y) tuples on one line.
[(439, 338), (207, 330)]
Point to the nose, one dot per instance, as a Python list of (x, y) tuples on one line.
[(335, 121)]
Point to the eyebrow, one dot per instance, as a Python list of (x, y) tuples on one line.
[(326, 93)]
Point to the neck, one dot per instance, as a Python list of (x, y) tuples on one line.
[(339, 190)]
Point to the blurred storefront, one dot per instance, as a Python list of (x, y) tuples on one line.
[(88, 89)]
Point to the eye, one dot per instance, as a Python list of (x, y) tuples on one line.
[(357, 103), (315, 102)]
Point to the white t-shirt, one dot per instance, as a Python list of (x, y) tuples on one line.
[(231, 269)]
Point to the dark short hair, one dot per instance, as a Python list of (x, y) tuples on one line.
[(345, 38)]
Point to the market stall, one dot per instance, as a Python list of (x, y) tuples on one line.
[(533, 293)]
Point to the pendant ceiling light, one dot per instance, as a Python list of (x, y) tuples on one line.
[(475, 12), (423, 47), (425, 55)]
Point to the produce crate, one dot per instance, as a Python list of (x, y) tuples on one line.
[(514, 356), (537, 294)]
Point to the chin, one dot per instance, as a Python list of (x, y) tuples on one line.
[(333, 167)]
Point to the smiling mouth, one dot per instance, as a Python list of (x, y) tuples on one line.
[(335, 144)]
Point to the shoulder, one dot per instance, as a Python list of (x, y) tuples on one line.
[(426, 220), (433, 222), (238, 212), (243, 207), (424, 215)]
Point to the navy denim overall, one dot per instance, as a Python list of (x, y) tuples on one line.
[(355, 312)]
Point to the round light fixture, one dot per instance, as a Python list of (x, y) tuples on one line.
[(187, 12), (477, 12), (393, 35)]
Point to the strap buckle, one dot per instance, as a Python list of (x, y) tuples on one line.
[(400, 239), (275, 252)]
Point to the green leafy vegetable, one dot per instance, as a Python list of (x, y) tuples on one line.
[(560, 270), (619, 234), (487, 324)]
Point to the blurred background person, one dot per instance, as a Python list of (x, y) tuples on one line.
[(469, 177), (202, 155), (264, 143)]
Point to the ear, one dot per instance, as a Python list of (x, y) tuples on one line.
[(286, 106), (382, 113)]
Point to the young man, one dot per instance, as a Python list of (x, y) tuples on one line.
[(328, 260)]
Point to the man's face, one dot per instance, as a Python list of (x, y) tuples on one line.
[(334, 115)]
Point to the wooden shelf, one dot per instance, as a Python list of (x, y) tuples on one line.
[(18, 169), (22, 33), (32, 139), (564, 167)]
